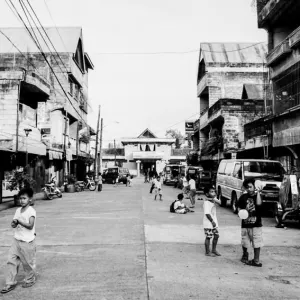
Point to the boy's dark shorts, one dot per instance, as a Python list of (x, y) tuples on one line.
[(211, 232)]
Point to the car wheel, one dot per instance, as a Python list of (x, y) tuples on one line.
[(234, 203), (221, 198)]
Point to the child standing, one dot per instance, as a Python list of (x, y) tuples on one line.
[(157, 188), (192, 185), (23, 248), (100, 182), (210, 222)]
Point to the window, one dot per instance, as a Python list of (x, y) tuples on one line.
[(229, 168), (222, 167), (237, 172)]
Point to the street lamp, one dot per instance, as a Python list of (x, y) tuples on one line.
[(27, 131)]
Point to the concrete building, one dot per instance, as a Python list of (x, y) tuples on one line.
[(31, 98), (230, 86), (282, 126), (148, 151)]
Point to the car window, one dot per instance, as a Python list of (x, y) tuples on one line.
[(237, 171), (229, 168), (222, 167)]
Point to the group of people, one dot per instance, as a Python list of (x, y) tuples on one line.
[(251, 226)]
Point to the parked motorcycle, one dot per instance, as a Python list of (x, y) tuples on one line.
[(51, 189), (82, 185)]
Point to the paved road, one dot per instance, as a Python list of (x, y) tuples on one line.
[(121, 244)]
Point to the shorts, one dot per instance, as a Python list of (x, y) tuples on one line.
[(158, 191), (192, 193), (252, 236), (211, 232)]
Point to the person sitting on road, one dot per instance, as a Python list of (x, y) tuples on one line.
[(157, 188), (210, 221), (179, 207)]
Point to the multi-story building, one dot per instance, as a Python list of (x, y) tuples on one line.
[(281, 19), (230, 86), (50, 101)]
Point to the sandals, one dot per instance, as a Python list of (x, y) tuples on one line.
[(254, 263), (8, 288), (28, 284)]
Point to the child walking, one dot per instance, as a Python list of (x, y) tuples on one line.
[(157, 188), (210, 221), (23, 248)]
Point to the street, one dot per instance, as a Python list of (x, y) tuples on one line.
[(121, 244)]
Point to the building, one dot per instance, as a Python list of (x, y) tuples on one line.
[(32, 98), (148, 151), (231, 84), (282, 126)]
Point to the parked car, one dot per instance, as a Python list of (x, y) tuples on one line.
[(111, 175), (232, 173)]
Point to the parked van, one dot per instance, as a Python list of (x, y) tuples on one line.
[(111, 175), (232, 173)]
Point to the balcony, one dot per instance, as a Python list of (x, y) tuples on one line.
[(278, 52), (272, 10), (212, 146), (204, 118), (196, 125), (202, 84), (294, 38)]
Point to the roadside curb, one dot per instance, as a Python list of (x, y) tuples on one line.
[(11, 204)]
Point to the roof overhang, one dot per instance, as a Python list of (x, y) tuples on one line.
[(88, 61), (147, 141)]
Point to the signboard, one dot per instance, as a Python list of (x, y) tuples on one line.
[(189, 127)]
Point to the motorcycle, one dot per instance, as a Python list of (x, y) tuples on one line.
[(51, 189), (82, 185)]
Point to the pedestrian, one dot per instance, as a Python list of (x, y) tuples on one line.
[(251, 231), (117, 181), (178, 207), (210, 221), (23, 248), (100, 182), (157, 189), (153, 181), (192, 186), (146, 176), (185, 186), (128, 180)]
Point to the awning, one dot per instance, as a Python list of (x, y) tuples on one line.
[(32, 145), (286, 137), (55, 155)]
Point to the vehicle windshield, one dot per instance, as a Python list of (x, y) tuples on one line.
[(264, 170)]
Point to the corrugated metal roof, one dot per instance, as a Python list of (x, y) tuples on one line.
[(233, 53), (65, 41)]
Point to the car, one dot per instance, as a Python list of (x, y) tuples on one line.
[(111, 175)]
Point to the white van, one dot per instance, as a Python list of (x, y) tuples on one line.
[(232, 173)]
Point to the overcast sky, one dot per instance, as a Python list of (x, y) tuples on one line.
[(146, 90)]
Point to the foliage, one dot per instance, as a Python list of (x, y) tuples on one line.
[(177, 135), (20, 180), (85, 138), (193, 159)]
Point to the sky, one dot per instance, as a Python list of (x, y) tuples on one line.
[(142, 77)]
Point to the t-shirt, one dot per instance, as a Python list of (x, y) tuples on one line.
[(209, 208), (249, 203), (100, 179), (178, 205), (184, 182), (22, 233), (192, 184), (158, 184)]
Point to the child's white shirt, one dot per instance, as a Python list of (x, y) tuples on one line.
[(209, 208), (22, 233)]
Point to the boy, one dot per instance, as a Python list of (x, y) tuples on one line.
[(23, 248), (210, 221), (251, 231), (192, 185), (158, 189), (128, 180), (179, 207)]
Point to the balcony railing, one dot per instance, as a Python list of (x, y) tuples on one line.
[(203, 118), (294, 38), (278, 52)]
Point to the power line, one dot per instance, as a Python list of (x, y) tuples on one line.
[(174, 52)]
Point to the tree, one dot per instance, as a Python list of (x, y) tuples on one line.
[(175, 134)]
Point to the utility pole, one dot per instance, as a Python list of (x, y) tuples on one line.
[(97, 140), (115, 152), (100, 150), (65, 150)]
